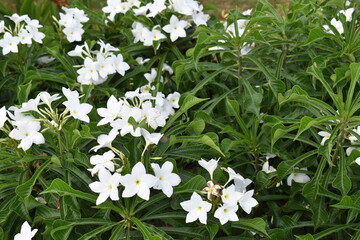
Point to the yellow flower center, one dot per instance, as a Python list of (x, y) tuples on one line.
[(137, 182)]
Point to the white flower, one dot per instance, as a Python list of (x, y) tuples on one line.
[(156, 7), (298, 177), (24, 37), (107, 186), (154, 35), (357, 160), (185, 7), (353, 138), (102, 162), (267, 168), (119, 64), (25, 232), (9, 43), (325, 136), (3, 117), (348, 13), (112, 111), (77, 110), (152, 138), (210, 166), (166, 179), (138, 182), (2, 26), (241, 184), (105, 66), (45, 60), (74, 33), (77, 52), (105, 140), (140, 32), (152, 76), (227, 213), (196, 208), (174, 99), (28, 133), (247, 202), (141, 60), (200, 18), (176, 28), (47, 98), (230, 196), (17, 19), (350, 149), (337, 24)]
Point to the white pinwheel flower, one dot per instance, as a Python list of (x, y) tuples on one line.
[(112, 111), (348, 14), (102, 162), (210, 166), (241, 184), (154, 35), (138, 182), (230, 196), (77, 52), (47, 98), (176, 28), (151, 138), (174, 99), (298, 177), (28, 133), (196, 208), (25, 232), (77, 110), (140, 32), (74, 33), (227, 213), (325, 135), (119, 64), (105, 65), (200, 18), (24, 37), (9, 43), (247, 202), (166, 179), (3, 117), (107, 186), (105, 140)]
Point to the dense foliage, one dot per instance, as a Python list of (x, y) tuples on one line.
[(148, 119)]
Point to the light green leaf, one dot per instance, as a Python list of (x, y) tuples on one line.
[(342, 180), (257, 225)]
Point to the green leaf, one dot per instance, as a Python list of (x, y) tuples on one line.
[(308, 122), (188, 102), (252, 99), (342, 180), (24, 190), (305, 237), (212, 229), (320, 214), (171, 215), (197, 183), (143, 229), (316, 34), (197, 126), (311, 189), (257, 225), (23, 92), (332, 230), (355, 75), (287, 167), (61, 188), (96, 231), (346, 203), (276, 85)]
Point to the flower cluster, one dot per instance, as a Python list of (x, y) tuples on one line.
[(138, 182), (72, 21), (226, 200), (26, 119), (24, 32), (189, 10), (337, 24), (98, 65), (139, 113)]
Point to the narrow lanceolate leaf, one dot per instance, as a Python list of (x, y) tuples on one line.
[(355, 75), (347, 203), (143, 229), (305, 237), (61, 188), (257, 225), (308, 122), (342, 180), (320, 214), (24, 190), (311, 189)]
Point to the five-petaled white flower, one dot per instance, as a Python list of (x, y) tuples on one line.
[(138, 182), (102, 162), (210, 166), (28, 133), (107, 186), (9, 43), (325, 136), (227, 213), (196, 208), (176, 28), (247, 202), (166, 179), (25, 232), (230, 195)]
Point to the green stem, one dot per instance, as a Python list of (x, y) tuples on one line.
[(340, 141)]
